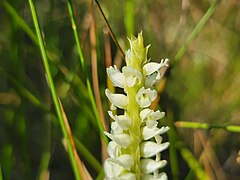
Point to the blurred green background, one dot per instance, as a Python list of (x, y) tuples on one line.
[(201, 85)]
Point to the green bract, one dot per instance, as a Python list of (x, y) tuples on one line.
[(136, 144)]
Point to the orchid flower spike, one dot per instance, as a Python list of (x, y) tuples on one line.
[(136, 143)]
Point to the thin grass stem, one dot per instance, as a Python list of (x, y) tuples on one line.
[(20, 21), (109, 28), (89, 88), (54, 93), (196, 125), (196, 30), (191, 161)]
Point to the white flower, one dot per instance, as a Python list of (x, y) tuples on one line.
[(150, 117), (145, 97), (136, 142), (111, 170), (149, 165), (123, 120), (152, 71), (116, 76), (149, 149), (115, 128), (126, 161), (122, 139), (132, 76), (148, 133), (152, 67), (112, 149), (118, 100)]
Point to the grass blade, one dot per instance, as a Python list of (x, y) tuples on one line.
[(196, 30), (54, 93), (109, 28), (196, 125), (191, 161), (90, 92)]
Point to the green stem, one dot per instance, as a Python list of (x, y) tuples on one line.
[(191, 161), (134, 130), (196, 125), (20, 21), (53, 92), (90, 92), (129, 17), (196, 30)]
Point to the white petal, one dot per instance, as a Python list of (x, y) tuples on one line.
[(148, 133), (131, 76), (160, 176), (111, 170), (156, 115), (115, 128), (145, 113), (152, 67), (122, 140), (123, 120), (118, 100), (116, 76), (149, 165), (151, 123), (151, 115), (149, 149), (112, 149), (145, 97), (126, 161)]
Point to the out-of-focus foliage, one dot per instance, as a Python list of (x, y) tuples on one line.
[(203, 86)]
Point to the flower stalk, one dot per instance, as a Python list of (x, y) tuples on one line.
[(136, 143)]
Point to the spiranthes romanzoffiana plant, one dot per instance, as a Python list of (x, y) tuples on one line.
[(136, 143)]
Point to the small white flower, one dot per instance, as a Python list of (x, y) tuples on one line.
[(116, 76), (112, 149), (145, 97), (152, 72), (123, 120), (126, 161), (132, 76), (123, 140), (148, 133), (151, 117), (149, 149), (149, 165), (112, 171), (152, 67), (118, 100), (115, 128)]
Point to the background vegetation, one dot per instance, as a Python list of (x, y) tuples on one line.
[(200, 91)]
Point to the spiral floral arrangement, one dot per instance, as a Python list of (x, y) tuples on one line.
[(136, 143)]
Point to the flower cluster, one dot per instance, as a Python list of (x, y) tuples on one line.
[(136, 142)]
